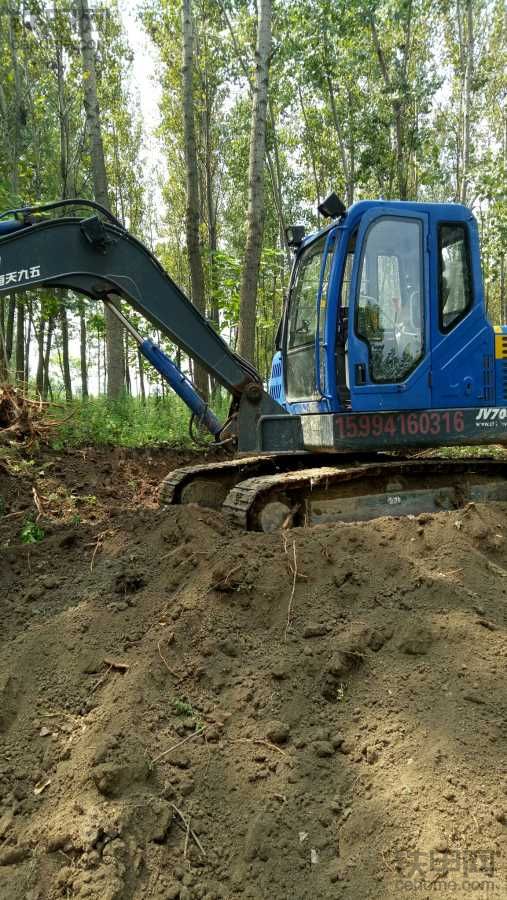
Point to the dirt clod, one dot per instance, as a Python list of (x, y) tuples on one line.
[(278, 732), (315, 630), (323, 748), (415, 640)]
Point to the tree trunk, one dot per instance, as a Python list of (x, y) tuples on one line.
[(3, 350), (192, 179), (64, 123), (64, 326), (209, 192), (141, 376), (467, 109), (309, 144), (128, 385), (397, 105), (114, 329), (99, 364), (276, 182), (28, 340), (19, 111), (273, 166), (349, 186), (47, 355), (83, 357), (255, 215), (39, 378), (211, 204), (20, 342), (9, 330)]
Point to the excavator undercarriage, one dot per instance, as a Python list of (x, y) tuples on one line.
[(267, 493)]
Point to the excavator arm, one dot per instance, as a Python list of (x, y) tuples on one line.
[(95, 256)]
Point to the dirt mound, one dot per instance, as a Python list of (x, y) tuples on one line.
[(192, 712)]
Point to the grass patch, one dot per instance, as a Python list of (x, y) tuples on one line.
[(183, 708), (124, 423)]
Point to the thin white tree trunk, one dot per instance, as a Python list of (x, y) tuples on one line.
[(349, 185), (255, 216), (192, 179), (114, 330), (467, 109)]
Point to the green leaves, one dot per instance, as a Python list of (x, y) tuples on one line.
[(31, 533)]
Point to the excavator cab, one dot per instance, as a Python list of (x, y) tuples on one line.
[(386, 312)]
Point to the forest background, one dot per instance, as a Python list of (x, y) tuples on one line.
[(207, 161)]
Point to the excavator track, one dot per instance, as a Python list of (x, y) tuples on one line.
[(265, 493), (360, 491), (209, 484)]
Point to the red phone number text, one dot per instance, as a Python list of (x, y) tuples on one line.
[(401, 424)]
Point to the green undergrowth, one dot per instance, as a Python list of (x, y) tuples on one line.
[(124, 423)]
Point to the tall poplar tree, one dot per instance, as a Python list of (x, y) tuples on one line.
[(114, 330), (192, 216), (255, 214)]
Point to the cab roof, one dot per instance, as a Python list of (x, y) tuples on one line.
[(438, 212)]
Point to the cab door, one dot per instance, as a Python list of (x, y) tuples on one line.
[(462, 339), (305, 333), (388, 349)]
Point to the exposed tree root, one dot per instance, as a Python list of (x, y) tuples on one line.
[(23, 420)]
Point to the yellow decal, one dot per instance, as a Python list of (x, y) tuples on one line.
[(501, 346)]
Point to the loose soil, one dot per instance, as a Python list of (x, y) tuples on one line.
[(188, 711)]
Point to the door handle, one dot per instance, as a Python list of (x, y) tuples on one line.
[(360, 369)]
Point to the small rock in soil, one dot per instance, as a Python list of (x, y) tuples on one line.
[(277, 732), (180, 759), (315, 630), (229, 647), (279, 671), (323, 748)]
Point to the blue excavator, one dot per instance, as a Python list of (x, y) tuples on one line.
[(384, 349)]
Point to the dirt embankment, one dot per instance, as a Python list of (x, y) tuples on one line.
[(188, 711)]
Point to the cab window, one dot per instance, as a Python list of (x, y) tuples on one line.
[(389, 312), (455, 275), (347, 275), (302, 325), (303, 305)]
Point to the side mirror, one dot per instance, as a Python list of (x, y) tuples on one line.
[(332, 207), (295, 235)]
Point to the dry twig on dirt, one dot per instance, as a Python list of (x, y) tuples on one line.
[(189, 829), (166, 664), (99, 542), (223, 582), (184, 741), (294, 568), (259, 741), (115, 664), (38, 502), (101, 680)]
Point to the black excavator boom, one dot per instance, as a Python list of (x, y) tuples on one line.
[(95, 256)]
